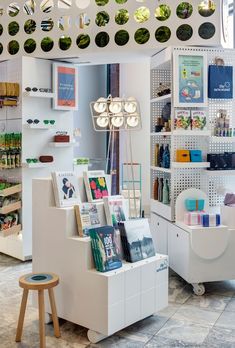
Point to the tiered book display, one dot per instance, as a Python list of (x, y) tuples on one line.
[(193, 128), (104, 302)]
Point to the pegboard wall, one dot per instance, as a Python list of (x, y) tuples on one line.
[(72, 28), (215, 186)]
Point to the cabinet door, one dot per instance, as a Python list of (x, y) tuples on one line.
[(178, 247), (159, 229)]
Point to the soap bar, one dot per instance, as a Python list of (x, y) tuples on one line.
[(210, 220), (193, 219)]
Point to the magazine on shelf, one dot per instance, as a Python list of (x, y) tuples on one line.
[(104, 250), (116, 209), (96, 185), (136, 239), (66, 191), (88, 215)]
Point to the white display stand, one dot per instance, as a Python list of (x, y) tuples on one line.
[(103, 302), (36, 139), (198, 255)]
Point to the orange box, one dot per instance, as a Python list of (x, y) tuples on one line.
[(182, 156)]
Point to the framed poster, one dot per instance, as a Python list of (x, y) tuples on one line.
[(65, 86), (190, 76)]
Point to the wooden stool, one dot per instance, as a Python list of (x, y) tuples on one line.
[(39, 282)]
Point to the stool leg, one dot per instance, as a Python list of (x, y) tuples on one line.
[(41, 308), (54, 313), (21, 315)]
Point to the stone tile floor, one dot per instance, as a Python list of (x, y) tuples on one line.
[(189, 321)]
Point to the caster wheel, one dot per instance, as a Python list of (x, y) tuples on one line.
[(198, 289), (48, 318)]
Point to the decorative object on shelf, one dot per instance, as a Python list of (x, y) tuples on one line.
[(155, 189), (210, 220), (161, 152), (195, 156), (66, 191), (65, 85), (61, 137), (222, 126), (163, 89), (193, 204), (114, 114), (166, 192), (116, 209), (96, 185), (46, 159), (9, 93), (81, 161), (87, 217), (8, 221), (198, 119), (220, 81), (136, 239), (31, 121), (10, 150), (32, 160), (160, 190), (221, 161), (47, 122), (182, 156), (193, 218), (104, 250), (190, 70), (36, 89), (156, 155), (166, 157), (182, 119)]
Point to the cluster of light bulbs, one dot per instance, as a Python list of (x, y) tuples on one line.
[(115, 114)]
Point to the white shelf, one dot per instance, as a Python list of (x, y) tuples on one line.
[(164, 134), (159, 99), (220, 172), (222, 139), (160, 169), (206, 133), (39, 95), (69, 144), (190, 164), (36, 165), (161, 209), (39, 126)]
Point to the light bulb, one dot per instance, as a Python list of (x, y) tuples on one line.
[(116, 105), (100, 105)]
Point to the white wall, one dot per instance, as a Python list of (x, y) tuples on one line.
[(92, 85), (135, 82)]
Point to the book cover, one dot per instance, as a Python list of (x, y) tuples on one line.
[(116, 209), (66, 191), (137, 238), (198, 119), (104, 249), (96, 185), (182, 119), (87, 216)]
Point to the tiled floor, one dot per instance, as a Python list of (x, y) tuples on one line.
[(189, 321)]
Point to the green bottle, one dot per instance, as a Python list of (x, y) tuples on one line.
[(166, 193)]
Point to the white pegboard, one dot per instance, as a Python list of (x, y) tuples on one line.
[(182, 179), (159, 76)]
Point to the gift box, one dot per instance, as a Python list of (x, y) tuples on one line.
[(210, 220), (193, 218), (61, 138), (195, 155), (182, 156), (193, 204)]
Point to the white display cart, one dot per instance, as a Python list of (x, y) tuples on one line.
[(171, 238), (103, 302)]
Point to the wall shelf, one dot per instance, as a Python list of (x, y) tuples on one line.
[(10, 208), (69, 144), (39, 126), (10, 231), (164, 134), (220, 172), (160, 169), (180, 132), (39, 95), (36, 165), (229, 140), (11, 190), (163, 98), (190, 164)]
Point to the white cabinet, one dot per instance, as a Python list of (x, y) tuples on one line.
[(159, 230)]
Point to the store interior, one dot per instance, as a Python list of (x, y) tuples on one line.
[(117, 183)]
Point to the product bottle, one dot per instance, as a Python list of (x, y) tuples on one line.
[(156, 155), (161, 151), (160, 190), (166, 193), (166, 157), (155, 189)]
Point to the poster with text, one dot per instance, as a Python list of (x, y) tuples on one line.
[(191, 80), (65, 77)]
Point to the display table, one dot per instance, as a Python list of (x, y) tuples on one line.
[(102, 302)]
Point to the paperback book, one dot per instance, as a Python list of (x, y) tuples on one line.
[(87, 216), (66, 191), (104, 249), (116, 209), (136, 239), (96, 185)]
